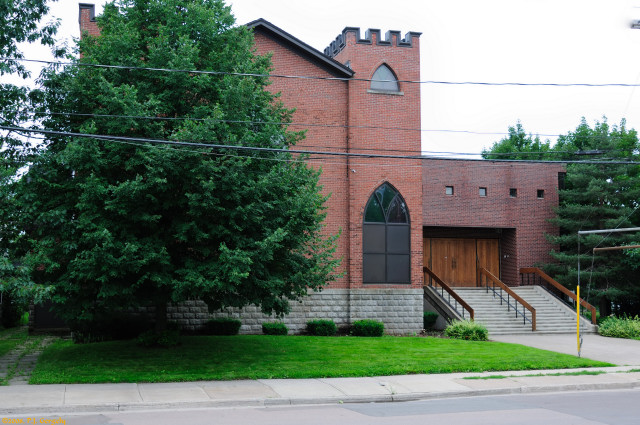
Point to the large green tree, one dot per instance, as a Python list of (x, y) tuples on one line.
[(116, 224)]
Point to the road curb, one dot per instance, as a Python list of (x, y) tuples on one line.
[(272, 402)]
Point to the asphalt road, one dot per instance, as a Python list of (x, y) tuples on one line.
[(579, 408)]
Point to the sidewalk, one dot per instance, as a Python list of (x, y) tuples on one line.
[(51, 399)]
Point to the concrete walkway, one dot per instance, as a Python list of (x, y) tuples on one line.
[(50, 399), (617, 351)]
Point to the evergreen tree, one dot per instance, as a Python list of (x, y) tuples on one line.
[(599, 196), (116, 224)]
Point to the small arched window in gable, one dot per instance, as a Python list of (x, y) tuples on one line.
[(384, 80)]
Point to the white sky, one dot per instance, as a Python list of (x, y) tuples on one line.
[(541, 41)]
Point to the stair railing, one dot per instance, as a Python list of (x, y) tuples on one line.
[(499, 290), (450, 294), (539, 277)]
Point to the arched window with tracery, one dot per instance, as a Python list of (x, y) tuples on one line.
[(386, 242)]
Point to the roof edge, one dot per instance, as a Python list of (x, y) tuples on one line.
[(332, 64)]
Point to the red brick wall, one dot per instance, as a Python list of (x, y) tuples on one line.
[(526, 214), (383, 110), (316, 102), (352, 181)]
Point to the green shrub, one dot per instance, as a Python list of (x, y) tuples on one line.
[(116, 325), (620, 327), (429, 319), (467, 329), (274, 328), (321, 327), (223, 326), (367, 327), (166, 338)]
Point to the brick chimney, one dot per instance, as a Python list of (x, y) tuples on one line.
[(87, 19)]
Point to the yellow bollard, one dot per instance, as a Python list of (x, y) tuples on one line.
[(578, 318)]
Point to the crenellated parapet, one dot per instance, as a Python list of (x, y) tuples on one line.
[(340, 42)]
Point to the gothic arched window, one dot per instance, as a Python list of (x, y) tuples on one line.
[(386, 238), (384, 80)]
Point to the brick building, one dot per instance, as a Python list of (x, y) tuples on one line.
[(395, 215)]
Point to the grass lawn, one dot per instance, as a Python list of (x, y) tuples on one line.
[(261, 356), (9, 338)]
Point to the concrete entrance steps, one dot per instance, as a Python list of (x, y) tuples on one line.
[(551, 315), (489, 312)]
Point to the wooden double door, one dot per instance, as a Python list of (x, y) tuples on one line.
[(454, 259)]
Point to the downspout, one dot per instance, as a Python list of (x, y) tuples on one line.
[(349, 202)]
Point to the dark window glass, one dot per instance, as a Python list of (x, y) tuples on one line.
[(374, 212), (540, 193), (561, 180), (374, 238), (384, 80), (398, 239), (376, 268), (385, 195), (513, 192), (398, 267), (397, 211), (386, 238)]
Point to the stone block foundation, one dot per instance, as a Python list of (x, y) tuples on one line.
[(399, 309)]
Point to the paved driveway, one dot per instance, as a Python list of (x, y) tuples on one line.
[(621, 352)]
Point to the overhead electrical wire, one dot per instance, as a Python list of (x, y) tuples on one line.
[(337, 125), (505, 154), (221, 145), (310, 77)]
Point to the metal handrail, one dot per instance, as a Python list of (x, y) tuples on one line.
[(510, 294), (548, 279), (450, 294)]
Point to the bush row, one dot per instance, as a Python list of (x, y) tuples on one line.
[(620, 327), (318, 327)]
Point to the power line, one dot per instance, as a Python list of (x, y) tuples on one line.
[(309, 77), (297, 124), (551, 152), (218, 145)]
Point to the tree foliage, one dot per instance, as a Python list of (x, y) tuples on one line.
[(115, 224), (597, 196), (20, 22), (518, 145)]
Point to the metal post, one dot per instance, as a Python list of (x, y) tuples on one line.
[(578, 319)]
